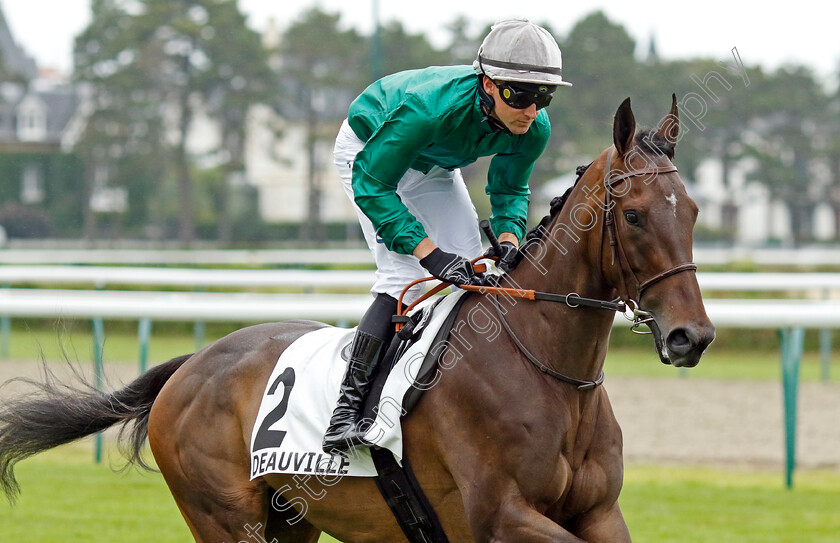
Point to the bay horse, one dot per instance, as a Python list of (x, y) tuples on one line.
[(507, 446)]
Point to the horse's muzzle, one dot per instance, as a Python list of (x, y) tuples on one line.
[(684, 346)]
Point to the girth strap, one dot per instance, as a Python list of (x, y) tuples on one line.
[(405, 498)]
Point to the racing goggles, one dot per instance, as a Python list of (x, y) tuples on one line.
[(522, 95)]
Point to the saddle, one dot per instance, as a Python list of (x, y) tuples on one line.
[(300, 395), (411, 332)]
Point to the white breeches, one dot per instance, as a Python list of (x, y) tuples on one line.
[(438, 199)]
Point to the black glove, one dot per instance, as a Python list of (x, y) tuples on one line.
[(509, 257), (451, 268)]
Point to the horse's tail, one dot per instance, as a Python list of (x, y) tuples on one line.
[(58, 413)]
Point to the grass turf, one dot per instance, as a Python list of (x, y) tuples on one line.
[(67, 498)]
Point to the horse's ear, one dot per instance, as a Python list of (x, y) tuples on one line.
[(669, 128), (624, 127)]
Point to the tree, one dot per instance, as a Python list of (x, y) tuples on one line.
[(125, 117), (153, 64), (463, 45), (230, 90), (406, 51), (829, 129), (784, 146), (323, 69), (598, 60)]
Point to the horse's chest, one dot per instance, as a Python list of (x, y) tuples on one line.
[(591, 473)]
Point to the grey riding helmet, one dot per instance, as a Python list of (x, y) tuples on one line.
[(520, 51)]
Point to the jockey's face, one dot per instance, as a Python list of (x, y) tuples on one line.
[(518, 121)]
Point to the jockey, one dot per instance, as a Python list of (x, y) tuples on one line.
[(399, 155)]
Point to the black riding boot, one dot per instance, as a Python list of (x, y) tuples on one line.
[(369, 344)]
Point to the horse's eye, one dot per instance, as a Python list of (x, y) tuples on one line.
[(631, 217)]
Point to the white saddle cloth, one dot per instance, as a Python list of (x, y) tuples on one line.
[(301, 394)]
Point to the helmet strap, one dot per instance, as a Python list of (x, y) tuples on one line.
[(488, 104)]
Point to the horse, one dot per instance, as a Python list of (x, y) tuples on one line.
[(516, 441)]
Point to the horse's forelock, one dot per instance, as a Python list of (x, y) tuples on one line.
[(652, 142), (556, 206)]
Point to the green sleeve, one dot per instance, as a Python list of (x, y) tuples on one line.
[(507, 182), (380, 165)]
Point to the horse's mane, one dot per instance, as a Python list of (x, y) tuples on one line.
[(536, 233), (654, 143), (649, 140)]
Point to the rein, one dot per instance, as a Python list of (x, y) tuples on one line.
[(580, 384), (624, 303), (572, 299)]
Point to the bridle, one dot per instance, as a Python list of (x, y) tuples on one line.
[(631, 291)]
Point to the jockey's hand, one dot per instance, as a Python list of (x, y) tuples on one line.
[(508, 258), (451, 268)]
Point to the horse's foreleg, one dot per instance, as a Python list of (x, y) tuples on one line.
[(285, 525), (514, 521), (603, 525)]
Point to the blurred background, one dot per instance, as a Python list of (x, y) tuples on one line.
[(212, 122)]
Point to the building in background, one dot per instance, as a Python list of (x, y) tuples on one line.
[(36, 107), (39, 121), (296, 179)]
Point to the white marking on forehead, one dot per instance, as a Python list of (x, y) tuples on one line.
[(672, 199)]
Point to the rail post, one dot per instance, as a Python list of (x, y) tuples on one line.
[(825, 354), (199, 329), (5, 334), (99, 378), (144, 334), (792, 344)]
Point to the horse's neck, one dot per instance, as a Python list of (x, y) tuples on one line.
[(568, 260)]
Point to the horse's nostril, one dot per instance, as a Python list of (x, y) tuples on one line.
[(678, 341)]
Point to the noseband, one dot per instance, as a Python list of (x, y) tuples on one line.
[(631, 296)]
